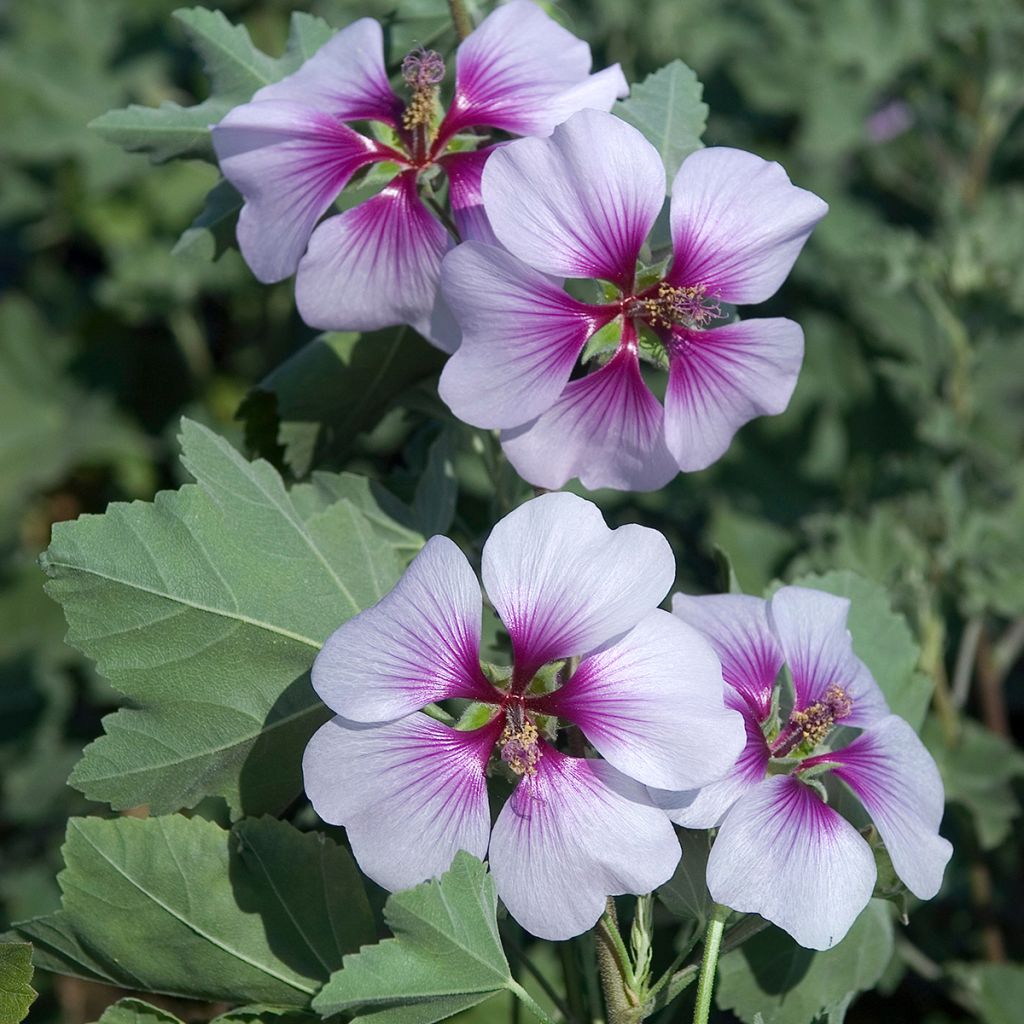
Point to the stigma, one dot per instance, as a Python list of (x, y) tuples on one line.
[(423, 71), (813, 724), (672, 306)]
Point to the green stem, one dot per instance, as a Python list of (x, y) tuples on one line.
[(708, 965), (615, 969), (460, 18), (528, 1001)]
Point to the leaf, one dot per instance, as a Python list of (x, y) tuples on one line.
[(882, 640), (666, 106), (997, 988), (16, 994), (136, 1011), (438, 489), (446, 954), (236, 69), (263, 912), (978, 773), (213, 231), (206, 609), (338, 386), (787, 984), (686, 892)]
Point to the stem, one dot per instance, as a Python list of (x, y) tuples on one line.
[(528, 1001), (515, 947), (708, 965), (616, 972), (965, 662), (460, 18)]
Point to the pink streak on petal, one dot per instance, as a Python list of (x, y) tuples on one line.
[(345, 78), (464, 172), (738, 224), (376, 265), (784, 854), (290, 163), (579, 204), (888, 767), (564, 584), (521, 337), (606, 428), (571, 835), (652, 705), (410, 794), (810, 626), (522, 72), (722, 378), (420, 643), (737, 627), (707, 806)]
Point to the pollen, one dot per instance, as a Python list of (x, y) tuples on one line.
[(816, 721), (688, 306), (519, 747)]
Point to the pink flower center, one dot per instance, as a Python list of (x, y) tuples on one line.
[(812, 725)]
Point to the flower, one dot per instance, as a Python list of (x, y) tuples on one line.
[(781, 850), (291, 151), (580, 205), (647, 694)]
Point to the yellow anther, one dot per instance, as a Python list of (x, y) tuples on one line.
[(519, 747)]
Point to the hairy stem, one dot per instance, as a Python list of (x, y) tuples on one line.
[(460, 18), (615, 969), (709, 963)]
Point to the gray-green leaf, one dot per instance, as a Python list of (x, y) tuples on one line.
[(16, 994)]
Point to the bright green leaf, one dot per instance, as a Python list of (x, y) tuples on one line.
[(667, 107), (221, 641), (446, 954), (787, 984), (16, 994), (263, 912)]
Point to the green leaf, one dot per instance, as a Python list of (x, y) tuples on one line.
[(787, 984), (438, 488), (16, 994), (226, 590), (263, 912), (446, 954), (882, 640), (997, 988), (686, 892), (236, 69), (136, 1011), (667, 107), (338, 386), (978, 773), (213, 231)]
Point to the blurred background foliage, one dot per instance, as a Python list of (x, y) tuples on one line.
[(899, 457)]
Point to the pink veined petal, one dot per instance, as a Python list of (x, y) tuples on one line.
[(607, 429), (738, 224), (376, 265), (722, 378), (521, 337), (737, 627), (894, 776), (707, 806), (346, 78), (522, 72), (785, 854), (652, 705), (420, 643), (289, 162), (571, 835), (579, 204), (410, 794), (810, 626), (464, 171), (564, 584)]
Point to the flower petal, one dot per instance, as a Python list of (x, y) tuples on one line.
[(707, 806), (888, 767), (579, 204), (571, 835), (810, 626), (345, 78), (410, 794), (563, 583), (522, 72), (290, 163), (722, 378), (785, 854), (418, 644), (738, 224), (521, 337), (376, 265), (464, 171), (652, 705), (606, 428), (737, 628)]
